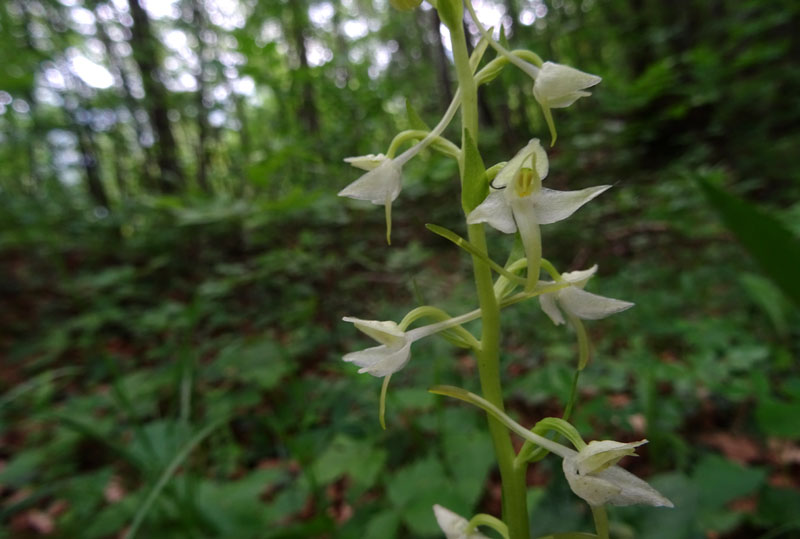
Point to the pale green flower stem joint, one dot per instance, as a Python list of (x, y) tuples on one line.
[(510, 198)]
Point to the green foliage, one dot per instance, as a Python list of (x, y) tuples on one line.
[(773, 246)]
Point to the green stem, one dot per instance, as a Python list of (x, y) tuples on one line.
[(482, 519), (515, 513), (382, 407), (583, 341), (600, 521), (438, 143)]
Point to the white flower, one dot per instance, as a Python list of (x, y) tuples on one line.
[(383, 181), (558, 86), (517, 200), (453, 525), (592, 475), (395, 348), (591, 472), (380, 185), (392, 354), (576, 301)]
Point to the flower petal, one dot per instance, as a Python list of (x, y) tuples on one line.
[(381, 360), (614, 486), (454, 525), (366, 162), (385, 332), (553, 206), (596, 491), (523, 159), (602, 454), (495, 211), (380, 185), (589, 306), (633, 489), (548, 304), (567, 100), (542, 163), (559, 86), (530, 234), (579, 278)]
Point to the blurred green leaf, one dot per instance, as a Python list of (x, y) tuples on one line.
[(772, 245)]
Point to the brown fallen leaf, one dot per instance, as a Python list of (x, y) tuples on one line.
[(736, 447)]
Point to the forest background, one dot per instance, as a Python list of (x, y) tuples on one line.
[(174, 266)]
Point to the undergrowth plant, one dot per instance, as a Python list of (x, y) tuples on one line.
[(509, 197)]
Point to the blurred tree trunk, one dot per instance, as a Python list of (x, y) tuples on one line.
[(91, 167), (145, 54), (308, 113), (199, 27), (146, 156), (79, 120), (513, 13), (33, 136), (342, 48), (442, 63)]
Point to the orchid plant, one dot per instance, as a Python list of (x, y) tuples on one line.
[(510, 198)]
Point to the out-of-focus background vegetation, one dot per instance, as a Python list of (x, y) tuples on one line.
[(174, 266)]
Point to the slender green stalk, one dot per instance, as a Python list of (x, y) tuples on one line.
[(515, 513), (382, 407), (482, 519), (600, 521), (173, 466)]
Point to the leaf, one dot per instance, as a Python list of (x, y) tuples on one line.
[(778, 418), (721, 481), (259, 361), (468, 454), (383, 526), (414, 119), (767, 240), (769, 298), (166, 475), (474, 187), (503, 38), (355, 458), (414, 490)]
